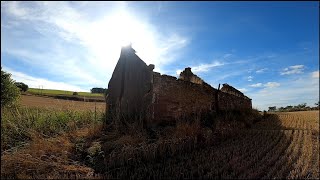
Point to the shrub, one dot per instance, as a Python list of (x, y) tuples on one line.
[(98, 90), (23, 87), (9, 91), (75, 93)]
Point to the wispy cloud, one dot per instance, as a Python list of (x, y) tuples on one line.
[(267, 85), (206, 67), (296, 69), (85, 45), (249, 78), (272, 84), (256, 85), (302, 90), (227, 55), (243, 90), (261, 70)]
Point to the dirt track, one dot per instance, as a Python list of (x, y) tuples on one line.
[(47, 102)]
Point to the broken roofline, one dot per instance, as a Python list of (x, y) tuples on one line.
[(203, 82), (185, 75)]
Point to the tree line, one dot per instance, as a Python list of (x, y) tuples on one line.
[(299, 107), (99, 90)]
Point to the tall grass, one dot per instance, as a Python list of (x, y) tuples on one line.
[(20, 124)]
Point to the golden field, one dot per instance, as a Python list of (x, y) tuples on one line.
[(75, 145)]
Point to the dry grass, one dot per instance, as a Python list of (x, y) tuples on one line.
[(283, 145), (280, 146), (60, 104), (46, 158)]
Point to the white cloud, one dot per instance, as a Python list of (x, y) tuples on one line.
[(267, 85), (95, 39), (256, 85), (34, 82), (227, 55), (315, 74), (261, 70), (302, 90), (272, 84), (249, 78), (297, 69), (206, 67), (178, 72), (243, 90)]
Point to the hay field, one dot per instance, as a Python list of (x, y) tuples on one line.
[(283, 145), (280, 145)]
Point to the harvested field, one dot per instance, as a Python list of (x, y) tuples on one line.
[(280, 145), (49, 102)]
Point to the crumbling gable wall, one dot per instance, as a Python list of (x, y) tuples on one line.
[(130, 85)]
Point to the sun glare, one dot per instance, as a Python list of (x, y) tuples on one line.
[(124, 28), (118, 29)]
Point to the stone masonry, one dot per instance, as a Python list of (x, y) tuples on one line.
[(136, 91)]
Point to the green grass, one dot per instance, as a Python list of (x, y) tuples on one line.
[(61, 92)]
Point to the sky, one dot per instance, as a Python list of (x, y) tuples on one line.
[(267, 50)]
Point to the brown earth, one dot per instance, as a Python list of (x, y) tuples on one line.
[(49, 102)]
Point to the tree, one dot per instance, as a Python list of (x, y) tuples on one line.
[(9, 91), (273, 108), (75, 93), (98, 90), (23, 87), (289, 108)]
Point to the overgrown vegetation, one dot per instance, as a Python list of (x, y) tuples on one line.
[(20, 124), (9, 91), (22, 86), (39, 143), (99, 90)]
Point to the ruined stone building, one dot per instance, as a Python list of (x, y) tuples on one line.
[(136, 90)]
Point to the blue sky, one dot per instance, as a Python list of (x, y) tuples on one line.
[(268, 50)]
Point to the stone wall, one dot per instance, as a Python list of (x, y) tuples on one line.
[(176, 98), (187, 75), (138, 93), (232, 102)]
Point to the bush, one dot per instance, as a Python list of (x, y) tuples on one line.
[(75, 93), (9, 91), (98, 90), (23, 87)]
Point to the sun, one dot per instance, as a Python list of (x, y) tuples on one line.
[(117, 29), (124, 28)]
